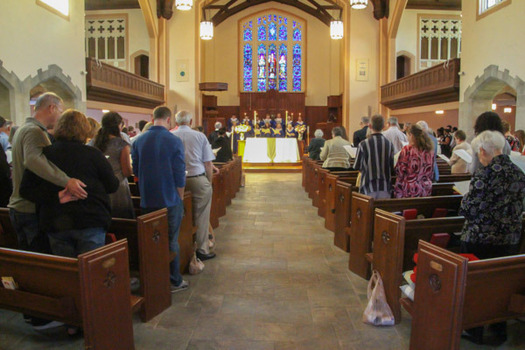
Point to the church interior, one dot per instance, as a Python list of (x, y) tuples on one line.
[(301, 255)]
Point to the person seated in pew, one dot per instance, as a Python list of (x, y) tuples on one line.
[(458, 164), (375, 161), (316, 144), (290, 131), (117, 151), (225, 153), (158, 161), (487, 121), (414, 168), (278, 131), (266, 130), (335, 157), (493, 210)]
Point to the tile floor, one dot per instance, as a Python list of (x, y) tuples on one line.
[(277, 283)]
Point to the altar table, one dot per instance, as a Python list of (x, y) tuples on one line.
[(271, 150)]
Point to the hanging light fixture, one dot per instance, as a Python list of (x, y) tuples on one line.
[(336, 29), (184, 5), (206, 30), (358, 4)]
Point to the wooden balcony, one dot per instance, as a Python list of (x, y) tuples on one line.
[(438, 84), (106, 83)]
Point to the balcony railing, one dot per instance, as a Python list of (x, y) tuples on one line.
[(106, 83), (438, 84)]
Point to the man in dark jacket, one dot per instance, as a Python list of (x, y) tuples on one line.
[(314, 148), (225, 153), (214, 135), (360, 135)]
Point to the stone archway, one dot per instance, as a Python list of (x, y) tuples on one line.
[(53, 79), (478, 97), (9, 88)]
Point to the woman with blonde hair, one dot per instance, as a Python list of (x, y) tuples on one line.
[(414, 168), (95, 127)]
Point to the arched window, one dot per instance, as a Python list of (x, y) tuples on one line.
[(276, 39)]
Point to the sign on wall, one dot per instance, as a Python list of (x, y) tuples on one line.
[(362, 69)]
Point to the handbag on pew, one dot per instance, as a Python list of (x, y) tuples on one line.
[(377, 312)]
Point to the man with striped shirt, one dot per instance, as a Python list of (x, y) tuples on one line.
[(375, 161)]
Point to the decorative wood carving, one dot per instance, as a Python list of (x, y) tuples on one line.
[(106, 83), (438, 84)]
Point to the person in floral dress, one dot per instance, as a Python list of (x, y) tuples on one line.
[(414, 168)]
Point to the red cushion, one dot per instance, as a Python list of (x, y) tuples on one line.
[(410, 214), (440, 239), (440, 213), (110, 238)]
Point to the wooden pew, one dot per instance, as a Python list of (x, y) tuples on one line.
[(328, 205), (149, 253), (187, 234), (342, 210), (91, 291), (362, 222), (453, 294), (395, 242)]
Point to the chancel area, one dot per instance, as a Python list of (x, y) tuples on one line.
[(262, 174)]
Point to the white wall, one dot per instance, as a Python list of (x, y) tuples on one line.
[(492, 40), (408, 36), (33, 38), (364, 44), (138, 38)]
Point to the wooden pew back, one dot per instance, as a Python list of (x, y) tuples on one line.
[(395, 242), (362, 218), (91, 291), (453, 294), (149, 253)]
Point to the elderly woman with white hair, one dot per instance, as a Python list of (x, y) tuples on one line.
[(493, 211), (314, 148), (494, 205)]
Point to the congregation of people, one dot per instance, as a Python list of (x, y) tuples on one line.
[(65, 176), (400, 161)]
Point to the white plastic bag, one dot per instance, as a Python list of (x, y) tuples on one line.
[(196, 265), (377, 312)]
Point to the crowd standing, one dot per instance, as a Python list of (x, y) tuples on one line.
[(64, 175)]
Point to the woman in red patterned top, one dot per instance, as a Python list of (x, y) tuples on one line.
[(414, 168)]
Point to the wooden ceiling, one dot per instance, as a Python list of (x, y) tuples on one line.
[(111, 4), (451, 5)]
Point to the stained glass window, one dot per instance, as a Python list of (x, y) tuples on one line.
[(262, 33), (247, 35), (297, 54), (272, 31), (272, 67), (283, 82), (283, 33), (261, 68), (276, 51), (247, 71)]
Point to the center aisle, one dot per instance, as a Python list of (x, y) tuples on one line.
[(277, 283)]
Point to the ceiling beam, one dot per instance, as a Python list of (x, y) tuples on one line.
[(226, 11)]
